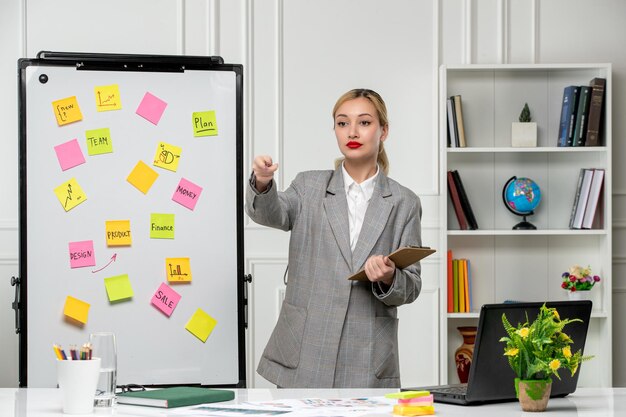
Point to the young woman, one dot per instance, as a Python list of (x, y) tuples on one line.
[(332, 332)]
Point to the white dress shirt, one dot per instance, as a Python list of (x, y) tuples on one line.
[(358, 196)]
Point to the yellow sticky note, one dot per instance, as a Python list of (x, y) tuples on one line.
[(67, 110), (118, 233), (167, 156), (107, 97), (407, 394), (142, 177), (76, 309), (118, 288), (204, 123), (201, 325), (178, 269), (70, 194)]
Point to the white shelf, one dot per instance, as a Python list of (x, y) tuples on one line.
[(509, 264)]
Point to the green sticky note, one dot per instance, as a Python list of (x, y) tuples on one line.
[(161, 226), (405, 395), (118, 288), (99, 141), (204, 123), (201, 324)]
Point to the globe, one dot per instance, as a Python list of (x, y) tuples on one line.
[(521, 196)]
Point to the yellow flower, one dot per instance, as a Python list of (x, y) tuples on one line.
[(556, 314), (511, 352), (554, 364), (567, 352), (524, 332)]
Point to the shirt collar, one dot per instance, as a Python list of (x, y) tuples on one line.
[(367, 186)]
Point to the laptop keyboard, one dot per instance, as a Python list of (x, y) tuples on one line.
[(459, 389)]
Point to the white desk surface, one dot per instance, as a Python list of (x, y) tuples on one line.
[(587, 402)]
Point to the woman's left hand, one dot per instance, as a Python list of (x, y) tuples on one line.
[(380, 268)]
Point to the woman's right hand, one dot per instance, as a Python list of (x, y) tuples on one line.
[(263, 169)]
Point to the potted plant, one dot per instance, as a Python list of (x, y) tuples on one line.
[(524, 132), (577, 281), (536, 352)]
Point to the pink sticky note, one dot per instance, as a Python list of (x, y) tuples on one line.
[(69, 154), (187, 193), (151, 108), (82, 254), (165, 299)]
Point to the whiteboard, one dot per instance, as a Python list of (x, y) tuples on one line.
[(153, 349)]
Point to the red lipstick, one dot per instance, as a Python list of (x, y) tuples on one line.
[(353, 144)]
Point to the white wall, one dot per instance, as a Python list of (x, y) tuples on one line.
[(298, 57)]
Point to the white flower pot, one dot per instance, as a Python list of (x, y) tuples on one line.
[(523, 135)]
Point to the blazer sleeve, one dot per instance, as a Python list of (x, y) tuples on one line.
[(407, 282), (273, 208)]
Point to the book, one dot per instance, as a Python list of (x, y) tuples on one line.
[(466, 285), (461, 277), (582, 200), (452, 131), (582, 114), (596, 103), (465, 204), (403, 257), (450, 284), (594, 195), (455, 284), (175, 397), (460, 128), (568, 107), (456, 202), (469, 285), (576, 197)]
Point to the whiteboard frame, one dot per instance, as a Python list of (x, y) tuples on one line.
[(130, 63)]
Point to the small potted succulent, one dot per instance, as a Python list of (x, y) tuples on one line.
[(524, 132)]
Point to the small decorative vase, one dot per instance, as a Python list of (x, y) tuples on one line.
[(463, 355), (533, 395), (578, 295)]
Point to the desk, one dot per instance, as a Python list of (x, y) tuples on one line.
[(587, 402)]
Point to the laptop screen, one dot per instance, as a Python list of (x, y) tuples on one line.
[(491, 378)]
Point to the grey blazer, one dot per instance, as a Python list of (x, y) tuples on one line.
[(332, 332)]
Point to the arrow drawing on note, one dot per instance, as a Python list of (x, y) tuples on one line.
[(112, 260)]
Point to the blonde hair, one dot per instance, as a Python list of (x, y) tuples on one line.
[(381, 109)]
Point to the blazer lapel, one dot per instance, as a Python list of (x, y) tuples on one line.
[(336, 207), (376, 216)]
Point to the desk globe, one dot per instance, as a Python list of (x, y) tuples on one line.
[(521, 196)]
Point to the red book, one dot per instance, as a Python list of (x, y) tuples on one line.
[(456, 202)]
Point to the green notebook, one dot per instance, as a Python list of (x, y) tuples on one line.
[(175, 397)]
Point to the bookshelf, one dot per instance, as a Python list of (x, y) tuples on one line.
[(523, 264)]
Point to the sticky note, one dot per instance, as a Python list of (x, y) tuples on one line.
[(118, 233), (151, 108), (76, 309), (407, 394), (107, 97), (99, 141), (201, 325), (67, 110), (204, 123), (118, 288), (165, 299), (427, 400), (161, 226), (142, 177), (82, 254), (178, 269), (187, 193), (167, 156), (69, 154), (70, 194), (407, 410)]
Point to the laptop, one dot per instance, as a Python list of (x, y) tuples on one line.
[(491, 378)]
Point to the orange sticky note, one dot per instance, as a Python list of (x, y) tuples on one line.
[(142, 177), (201, 325), (76, 309), (178, 269), (118, 233), (67, 110)]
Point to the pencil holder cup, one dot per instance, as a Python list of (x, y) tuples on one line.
[(77, 380)]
